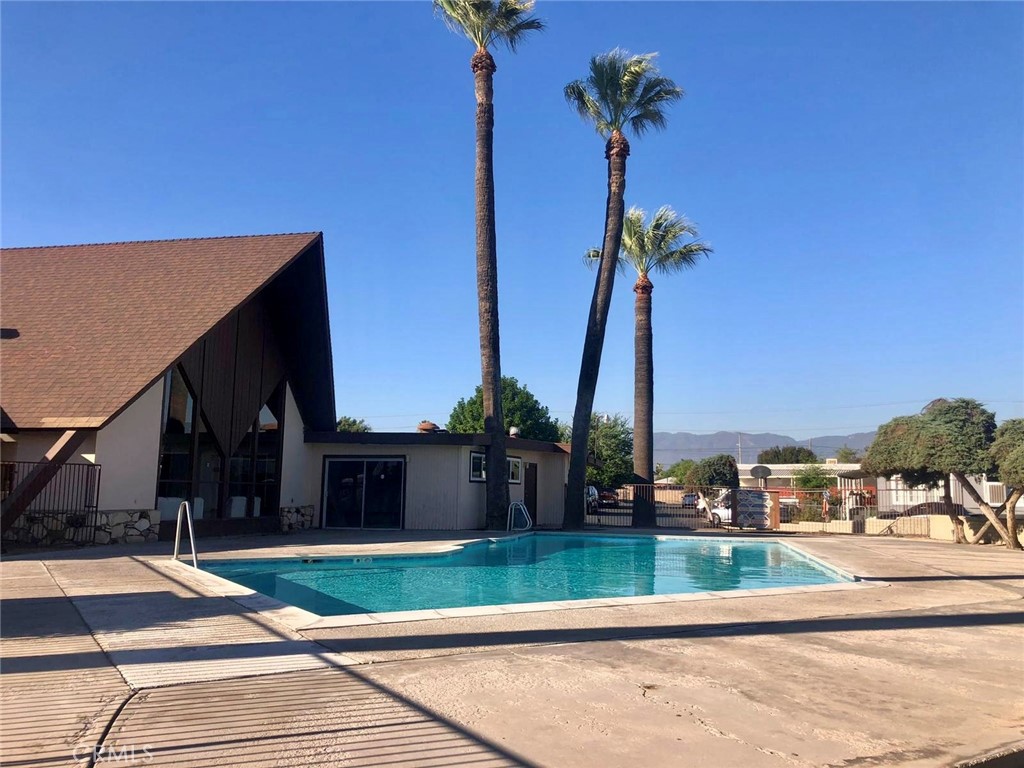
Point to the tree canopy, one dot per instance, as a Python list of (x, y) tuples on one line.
[(679, 470), (718, 471), (787, 454), (521, 409), (1007, 452), (611, 444), (812, 477), (959, 438), (352, 424), (847, 455)]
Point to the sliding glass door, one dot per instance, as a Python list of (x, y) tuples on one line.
[(363, 493)]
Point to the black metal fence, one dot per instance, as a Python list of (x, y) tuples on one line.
[(64, 512), (674, 507)]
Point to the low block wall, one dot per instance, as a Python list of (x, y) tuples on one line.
[(942, 528), (938, 527), (834, 526)]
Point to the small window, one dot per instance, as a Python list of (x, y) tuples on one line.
[(477, 468), (515, 470)]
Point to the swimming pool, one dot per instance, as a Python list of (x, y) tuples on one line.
[(528, 569)]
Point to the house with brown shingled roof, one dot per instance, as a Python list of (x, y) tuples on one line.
[(136, 375)]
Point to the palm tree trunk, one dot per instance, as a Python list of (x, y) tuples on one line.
[(644, 513), (616, 152), (483, 68)]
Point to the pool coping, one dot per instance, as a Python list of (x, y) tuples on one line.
[(299, 619)]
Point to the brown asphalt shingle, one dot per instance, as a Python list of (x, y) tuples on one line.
[(97, 323)]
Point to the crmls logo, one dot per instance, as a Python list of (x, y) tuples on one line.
[(104, 753)]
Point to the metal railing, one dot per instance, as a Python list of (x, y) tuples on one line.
[(674, 507), (185, 509), (517, 512), (64, 511)]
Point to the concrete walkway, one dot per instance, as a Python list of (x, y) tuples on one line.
[(923, 672)]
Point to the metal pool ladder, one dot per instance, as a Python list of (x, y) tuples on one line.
[(517, 507), (185, 508)]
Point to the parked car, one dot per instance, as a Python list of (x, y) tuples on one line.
[(721, 509), (592, 499), (608, 498), (690, 500)]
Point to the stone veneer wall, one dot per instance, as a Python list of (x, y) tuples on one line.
[(35, 529), (129, 526), (296, 518)]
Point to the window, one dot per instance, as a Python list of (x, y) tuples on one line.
[(193, 464), (363, 492), (478, 468), (175, 471)]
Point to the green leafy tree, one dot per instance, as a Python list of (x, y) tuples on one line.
[(611, 444), (487, 23), (951, 437), (664, 245), (521, 408), (812, 477), (899, 448), (846, 455), (610, 451), (718, 471), (352, 424), (621, 92), (787, 454), (679, 470)]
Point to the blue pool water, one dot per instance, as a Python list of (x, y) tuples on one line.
[(534, 568)]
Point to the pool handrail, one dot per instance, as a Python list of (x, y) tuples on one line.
[(518, 506), (185, 508)]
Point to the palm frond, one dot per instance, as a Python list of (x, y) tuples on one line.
[(623, 91), (579, 97), (592, 258), (659, 246), (486, 22), (512, 22)]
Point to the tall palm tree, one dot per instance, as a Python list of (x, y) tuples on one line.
[(486, 23), (622, 92), (668, 244)]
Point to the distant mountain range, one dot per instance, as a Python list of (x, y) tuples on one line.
[(670, 447)]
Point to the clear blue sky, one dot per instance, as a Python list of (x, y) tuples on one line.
[(858, 168)]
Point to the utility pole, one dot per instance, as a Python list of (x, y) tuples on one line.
[(739, 448)]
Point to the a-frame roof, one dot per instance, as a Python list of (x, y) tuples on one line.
[(87, 328)]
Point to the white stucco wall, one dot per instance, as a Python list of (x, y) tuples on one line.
[(438, 492), (129, 451), (296, 457), (431, 495)]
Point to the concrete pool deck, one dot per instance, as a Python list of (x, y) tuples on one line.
[(111, 646)]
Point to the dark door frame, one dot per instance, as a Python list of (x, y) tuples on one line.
[(364, 459), (530, 470)]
